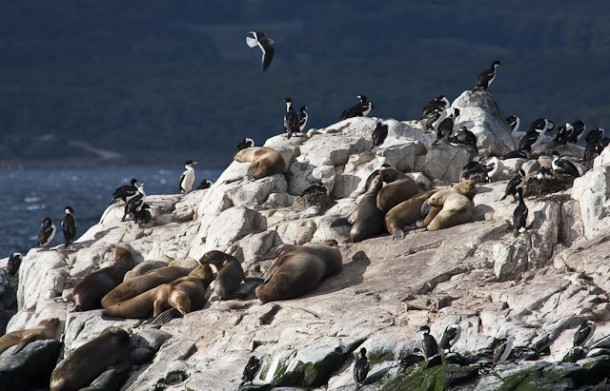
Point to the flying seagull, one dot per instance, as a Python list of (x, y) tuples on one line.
[(258, 38)]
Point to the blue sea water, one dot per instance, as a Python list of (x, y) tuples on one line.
[(27, 196)]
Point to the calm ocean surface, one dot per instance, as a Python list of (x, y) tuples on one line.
[(27, 196)]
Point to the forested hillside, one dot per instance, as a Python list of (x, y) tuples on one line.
[(167, 80)]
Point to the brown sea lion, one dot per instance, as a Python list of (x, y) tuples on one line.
[(229, 276), (405, 214), (143, 268), (367, 218), (46, 329), (88, 293), (447, 208), (399, 187), (131, 288), (185, 294), (264, 161), (298, 270), (88, 361)]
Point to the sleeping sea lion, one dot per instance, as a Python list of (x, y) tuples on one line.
[(399, 187), (405, 214), (447, 208), (46, 329), (264, 161), (298, 270), (88, 361), (88, 293)]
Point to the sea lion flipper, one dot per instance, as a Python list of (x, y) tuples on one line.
[(165, 317)]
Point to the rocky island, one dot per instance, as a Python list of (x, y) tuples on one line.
[(535, 286)]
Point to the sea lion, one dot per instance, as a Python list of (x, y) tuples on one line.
[(368, 218), (85, 363), (447, 208), (143, 268), (399, 188), (131, 288), (229, 276), (405, 213), (298, 270), (88, 293), (185, 294), (46, 329), (264, 161)]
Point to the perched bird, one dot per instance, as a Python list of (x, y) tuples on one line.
[(258, 38), (315, 189), (379, 133), (584, 333), (250, 370), (464, 136), (303, 117), (450, 336), (543, 173), (204, 184), (513, 123), (429, 345), (435, 105), (542, 125), (185, 183), (291, 118), (68, 226), (142, 215), (46, 232), (361, 109), (564, 166), (135, 202), (561, 134), (532, 135), (496, 167), (513, 183), (14, 261), (578, 129), (434, 120), (520, 213), (361, 368), (445, 127), (517, 154), (593, 144), (475, 168), (244, 143), (502, 351), (125, 191), (486, 77)]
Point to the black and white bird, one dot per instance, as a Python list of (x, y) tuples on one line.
[(318, 188), (517, 154), (578, 129), (379, 133), (435, 119), (513, 123), (543, 173), (68, 226), (513, 184), (593, 144), (204, 184), (291, 119), (244, 143), (258, 38), (135, 202), (464, 136), (542, 125), (303, 117), (561, 134), (46, 232), (584, 333), (475, 168), (564, 166), (361, 367), (450, 336), (520, 213), (360, 109), (445, 127), (250, 370), (429, 344), (14, 261), (185, 183), (142, 215), (502, 351), (125, 191), (435, 105), (486, 77)]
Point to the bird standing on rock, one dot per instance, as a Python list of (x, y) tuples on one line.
[(486, 77), (291, 119), (502, 351), (450, 336), (68, 226), (520, 213), (361, 368), (187, 178), (563, 166), (361, 109), (513, 184), (125, 191), (250, 370), (46, 232), (513, 123), (379, 134), (584, 333), (429, 344), (303, 117)]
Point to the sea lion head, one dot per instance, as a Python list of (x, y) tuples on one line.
[(180, 301), (215, 257)]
